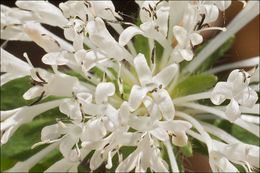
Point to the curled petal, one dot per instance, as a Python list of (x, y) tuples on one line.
[(186, 54), (103, 91), (196, 39), (232, 110), (221, 92), (128, 34), (223, 4), (180, 138), (212, 13), (248, 97)]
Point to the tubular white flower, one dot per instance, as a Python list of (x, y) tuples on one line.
[(11, 23), (122, 99), (154, 17), (146, 155), (11, 120), (246, 15), (155, 85), (13, 67), (47, 84), (44, 12), (100, 36), (236, 89)]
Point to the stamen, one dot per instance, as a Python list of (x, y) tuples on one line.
[(39, 99), (27, 59)]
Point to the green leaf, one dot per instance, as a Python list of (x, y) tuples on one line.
[(7, 163), (187, 150), (19, 145), (194, 84), (212, 59), (12, 93)]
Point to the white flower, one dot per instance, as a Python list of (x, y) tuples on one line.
[(46, 84), (123, 99), (154, 85), (44, 12), (11, 120), (145, 156), (13, 67), (219, 163), (154, 17), (100, 36), (237, 90)]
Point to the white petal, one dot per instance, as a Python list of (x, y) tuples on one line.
[(95, 130), (44, 11), (36, 32), (100, 36), (239, 79), (160, 134), (101, 9), (212, 13), (248, 97), (128, 164), (128, 34), (141, 123), (96, 160), (181, 35), (33, 92), (221, 92), (136, 97), (72, 110), (180, 138), (54, 58), (143, 71), (162, 14), (66, 146), (124, 113), (186, 54), (152, 108), (175, 125), (103, 91), (62, 85), (223, 4), (219, 163), (166, 75), (51, 132), (232, 110), (196, 39), (10, 63), (157, 164), (164, 101)]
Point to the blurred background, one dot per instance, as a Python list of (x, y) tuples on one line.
[(246, 45)]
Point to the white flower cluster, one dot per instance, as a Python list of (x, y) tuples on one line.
[(101, 114)]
